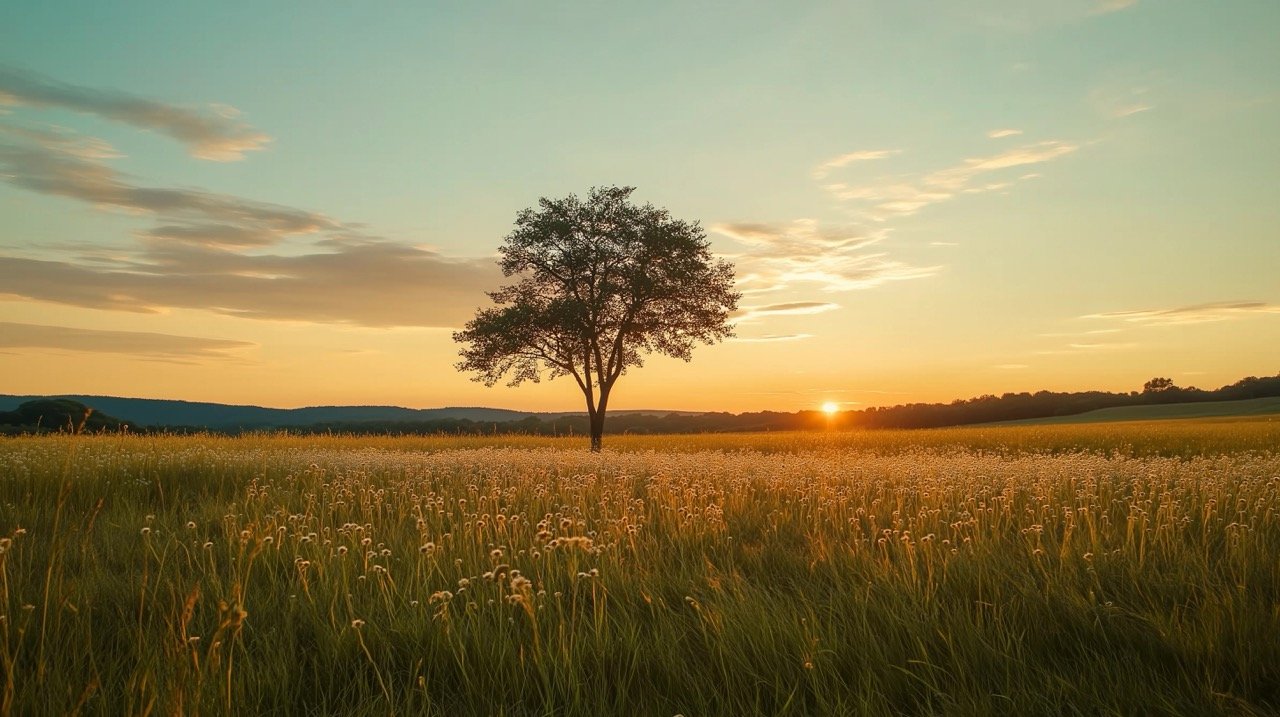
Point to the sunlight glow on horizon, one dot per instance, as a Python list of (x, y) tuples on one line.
[(222, 227)]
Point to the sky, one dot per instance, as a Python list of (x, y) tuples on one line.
[(290, 205)]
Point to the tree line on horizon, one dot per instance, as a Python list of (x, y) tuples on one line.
[(981, 409), (67, 416), (597, 285), (58, 415), (1049, 404)]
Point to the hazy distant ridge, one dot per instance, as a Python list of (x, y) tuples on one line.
[(1233, 399), (157, 412)]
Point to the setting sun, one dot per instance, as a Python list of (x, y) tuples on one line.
[(606, 358), (881, 256)]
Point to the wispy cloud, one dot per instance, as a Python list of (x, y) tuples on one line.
[(805, 253), (791, 308), (1127, 94), (822, 170), (1132, 109), (133, 343), (771, 338), (64, 164), (1074, 334), (803, 237), (1002, 133), (1194, 314), (1029, 15), (1070, 343), (213, 133), (883, 201), (224, 253), (963, 174), (1125, 323), (373, 283), (1075, 348), (1102, 7), (898, 196)]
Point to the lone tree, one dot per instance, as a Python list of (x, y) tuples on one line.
[(599, 284)]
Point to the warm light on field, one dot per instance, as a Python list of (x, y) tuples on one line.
[(1133, 563)]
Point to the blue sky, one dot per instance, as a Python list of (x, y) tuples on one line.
[(924, 200)]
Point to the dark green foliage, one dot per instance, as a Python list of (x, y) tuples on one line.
[(599, 284), (57, 415), (481, 421), (1018, 406)]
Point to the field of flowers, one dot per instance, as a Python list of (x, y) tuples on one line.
[(1094, 570)]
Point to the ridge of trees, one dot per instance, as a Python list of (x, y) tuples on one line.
[(58, 415), (981, 409), (63, 415), (1047, 404)]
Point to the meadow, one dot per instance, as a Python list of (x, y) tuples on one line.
[(1115, 569)]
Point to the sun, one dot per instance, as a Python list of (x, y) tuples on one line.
[(831, 408)]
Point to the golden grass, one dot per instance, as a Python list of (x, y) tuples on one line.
[(1118, 569)]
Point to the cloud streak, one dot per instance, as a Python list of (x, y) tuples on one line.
[(791, 308), (376, 283), (1126, 96), (962, 175), (770, 338), (1103, 7), (805, 253), (1194, 314), (1028, 15), (66, 165), (866, 155), (1073, 349), (133, 343), (898, 197), (223, 253), (213, 134)]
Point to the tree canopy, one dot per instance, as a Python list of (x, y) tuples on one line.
[(599, 284), (57, 414)]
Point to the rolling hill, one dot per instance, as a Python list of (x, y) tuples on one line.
[(154, 412), (219, 416), (1210, 409)]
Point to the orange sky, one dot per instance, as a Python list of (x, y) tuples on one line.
[(921, 205)]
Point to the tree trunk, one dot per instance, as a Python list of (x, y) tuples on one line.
[(597, 431)]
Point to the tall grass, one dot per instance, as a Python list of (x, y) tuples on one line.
[(943, 572), (1185, 438)]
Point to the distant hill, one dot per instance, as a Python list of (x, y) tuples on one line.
[(219, 416), (60, 415), (1212, 409), (1159, 398), (153, 412)]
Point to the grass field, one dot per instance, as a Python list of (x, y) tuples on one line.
[(1252, 408), (1126, 569)]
